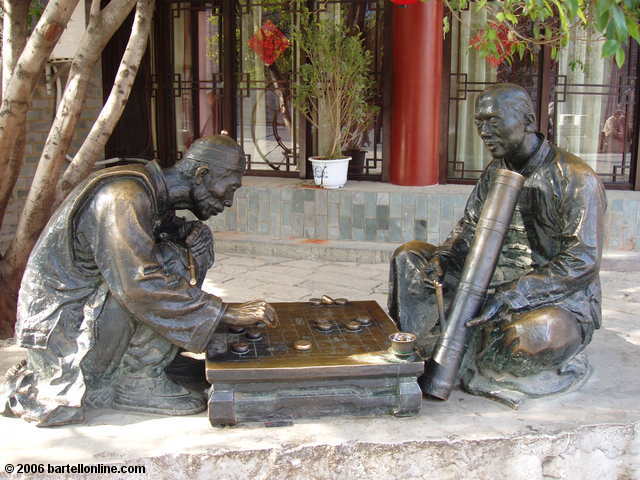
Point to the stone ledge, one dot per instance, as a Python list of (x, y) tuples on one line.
[(606, 452), (304, 248), (354, 251), (593, 433)]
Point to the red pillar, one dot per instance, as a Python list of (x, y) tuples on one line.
[(417, 78)]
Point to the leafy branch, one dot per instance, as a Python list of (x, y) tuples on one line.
[(518, 26)]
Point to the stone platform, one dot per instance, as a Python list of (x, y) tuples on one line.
[(593, 433)]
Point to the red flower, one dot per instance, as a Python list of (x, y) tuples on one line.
[(504, 44), (269, 42)]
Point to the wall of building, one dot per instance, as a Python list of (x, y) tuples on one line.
[(39, 120)]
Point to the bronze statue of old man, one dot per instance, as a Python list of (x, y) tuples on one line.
[(112, 290), (542, 303)]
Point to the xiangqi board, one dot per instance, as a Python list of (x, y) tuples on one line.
[(336, 333), (319, 360)]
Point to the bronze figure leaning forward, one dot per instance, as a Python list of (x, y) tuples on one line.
[(112, 290), (543, 300)]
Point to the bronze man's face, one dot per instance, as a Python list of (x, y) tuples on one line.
[(502, 128), (214, 191)]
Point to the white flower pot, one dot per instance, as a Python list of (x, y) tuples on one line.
[(330, 173)]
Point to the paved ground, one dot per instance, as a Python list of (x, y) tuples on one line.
[(592, 433), (277, 279)]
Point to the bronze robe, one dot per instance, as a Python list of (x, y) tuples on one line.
[(552, 251), (104, 241), (551, 254)]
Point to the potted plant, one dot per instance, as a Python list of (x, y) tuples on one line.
[(333, 91)]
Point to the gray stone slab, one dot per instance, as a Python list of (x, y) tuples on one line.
[(231, 223), (333, 215), (395, 205), (357, 234), (395, 230), (345, 204), (287, 194), (421, 207), (370, 204), (358, 198), (358, 216), (382, 198), (370, 229), (382, 235), (321, 201), (276, 225), (420, 230), (345, 228), (297, 203), (242, 206), (590, 434), (310, 195), (382, 217), (309, 214), (322, 227), (297, 224)]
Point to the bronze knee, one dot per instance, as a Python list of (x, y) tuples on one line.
[(546, 337)]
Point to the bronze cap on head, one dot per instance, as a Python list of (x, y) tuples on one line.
[(217, 151)]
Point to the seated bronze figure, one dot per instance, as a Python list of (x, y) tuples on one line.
[(542, 304), (112, 290)]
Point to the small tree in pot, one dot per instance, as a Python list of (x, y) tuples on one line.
[(335, 87)]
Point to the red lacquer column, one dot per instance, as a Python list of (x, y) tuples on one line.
[(415, 108)]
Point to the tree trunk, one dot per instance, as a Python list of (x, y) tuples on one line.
[(13, 265), (14, 35), (84, 161), (17, 96), (14, 41), (39, 204), (10, 284)]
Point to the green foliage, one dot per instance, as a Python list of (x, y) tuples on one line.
[(335, 86), (531, 23)]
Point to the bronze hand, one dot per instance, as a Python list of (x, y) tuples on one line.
[(250, 313)]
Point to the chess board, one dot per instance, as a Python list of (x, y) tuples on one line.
[(343, 365)]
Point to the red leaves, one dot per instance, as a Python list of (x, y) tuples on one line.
[(496, 46), (269, 42)]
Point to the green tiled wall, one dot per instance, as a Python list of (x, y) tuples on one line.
[(285, 211)]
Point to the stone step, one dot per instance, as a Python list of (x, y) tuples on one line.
[(304, 248), (358, 252)]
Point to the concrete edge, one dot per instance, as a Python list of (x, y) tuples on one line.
[(586, 452), (304, 248)]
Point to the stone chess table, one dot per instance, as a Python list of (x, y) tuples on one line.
[(320, 360)]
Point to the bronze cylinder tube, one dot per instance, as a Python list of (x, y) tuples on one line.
[(492, 226)]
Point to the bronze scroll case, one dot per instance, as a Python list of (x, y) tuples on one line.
[(442, 369)]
